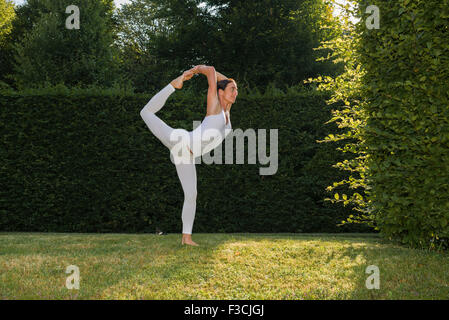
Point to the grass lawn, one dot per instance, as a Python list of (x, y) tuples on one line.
[(224, 267)]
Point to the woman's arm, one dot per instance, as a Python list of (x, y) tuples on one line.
[(219, 75), (212, 97)]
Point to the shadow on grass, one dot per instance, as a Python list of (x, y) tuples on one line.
[(224, 266), (189, 272), (403, 273)]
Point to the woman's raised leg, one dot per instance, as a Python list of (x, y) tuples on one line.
[(158, 127)]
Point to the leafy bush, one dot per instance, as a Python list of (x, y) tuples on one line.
[(395, 116)]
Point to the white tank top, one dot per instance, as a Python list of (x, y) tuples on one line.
[(209, 134)]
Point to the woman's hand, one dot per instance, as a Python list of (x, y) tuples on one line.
[(187, 75), (200, 69), (204, 69)]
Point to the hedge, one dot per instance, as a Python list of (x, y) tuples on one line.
[(84, 161), (407, 130)]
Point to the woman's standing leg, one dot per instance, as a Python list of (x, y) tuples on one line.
[(187, 176), (186, 170)]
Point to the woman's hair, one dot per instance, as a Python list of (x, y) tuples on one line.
[(223, 84)]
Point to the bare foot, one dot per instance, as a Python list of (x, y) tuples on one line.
[(187, 239), (179, 81)]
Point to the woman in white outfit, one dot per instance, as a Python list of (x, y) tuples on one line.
[(221, 94)]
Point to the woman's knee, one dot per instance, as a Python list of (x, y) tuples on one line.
[(190, 196)]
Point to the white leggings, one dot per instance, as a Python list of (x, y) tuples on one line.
[(186, 171)]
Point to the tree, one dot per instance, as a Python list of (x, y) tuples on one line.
[(270, 40), (49, 53), (139, 26), (7, 15), (255, 42)]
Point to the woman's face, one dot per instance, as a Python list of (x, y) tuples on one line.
[(231, 92)]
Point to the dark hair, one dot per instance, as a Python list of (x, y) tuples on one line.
[(223, 84)]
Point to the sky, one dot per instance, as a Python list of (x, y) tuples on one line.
[(118, 3)]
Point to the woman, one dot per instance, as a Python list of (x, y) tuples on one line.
[(220, 97)]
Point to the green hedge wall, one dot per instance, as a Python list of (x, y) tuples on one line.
[(407, 132), (84, 161)]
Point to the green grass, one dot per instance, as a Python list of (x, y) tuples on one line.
[(225, 266)]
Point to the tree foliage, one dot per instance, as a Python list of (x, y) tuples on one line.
[(394, 105), (7, 15), (255, 42), (46, 52)]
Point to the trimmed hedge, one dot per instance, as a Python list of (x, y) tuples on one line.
[(84, 161), (407, 131)]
